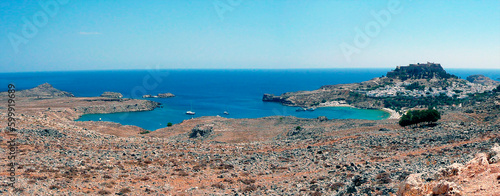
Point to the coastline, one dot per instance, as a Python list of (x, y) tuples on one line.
[(392, 114)]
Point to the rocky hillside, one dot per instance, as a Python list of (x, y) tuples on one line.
[(67, 106), (420, 71), (265, 156), (480, 176), (41, 91), (406, 86)]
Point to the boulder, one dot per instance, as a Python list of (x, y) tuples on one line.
[(494, 154), (201, 131), (451, 170), (322, 118), (441, 188), (412, 185)]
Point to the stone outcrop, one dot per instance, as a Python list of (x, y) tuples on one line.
[(271, 98), (478, 177), (278, 99), (201, 131), (44, 91), (112, 95)]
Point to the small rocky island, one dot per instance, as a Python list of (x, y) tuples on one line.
[(112, 95), (160, 95)]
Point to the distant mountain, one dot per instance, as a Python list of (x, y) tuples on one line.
[(42, 91), (420, 71)]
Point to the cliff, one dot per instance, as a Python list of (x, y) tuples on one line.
[(279, 99)]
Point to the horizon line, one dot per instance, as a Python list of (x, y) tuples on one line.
[(316, 68)]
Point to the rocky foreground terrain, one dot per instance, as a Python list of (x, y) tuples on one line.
[(267, 156)]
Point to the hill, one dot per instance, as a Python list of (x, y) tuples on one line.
[(45, 90), (409, 86), (420, 71)]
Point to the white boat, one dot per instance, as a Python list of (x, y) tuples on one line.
[(190, 112), (226, 113), (300, 109), (311, 109)]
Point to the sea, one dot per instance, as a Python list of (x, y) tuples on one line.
[(209, 92)]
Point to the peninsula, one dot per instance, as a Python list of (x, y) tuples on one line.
[(428, 83)]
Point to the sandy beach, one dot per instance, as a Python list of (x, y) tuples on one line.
[(393, 114)]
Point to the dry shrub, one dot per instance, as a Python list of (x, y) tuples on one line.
[(103, 192), (383, 178), (183, 173), (52, 187), (125, 190), (250, 188), (336, 186), (247, 181), (218, 185), (316, 193), (225, 166)]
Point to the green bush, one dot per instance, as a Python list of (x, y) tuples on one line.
[(415, 85), (169, 124), (144, 132), (419, 116), (497, 89), (298, 128)]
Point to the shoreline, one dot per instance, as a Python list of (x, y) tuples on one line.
[(392, 114)]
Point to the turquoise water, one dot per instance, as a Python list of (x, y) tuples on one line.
[(159, 117), (208, 92)]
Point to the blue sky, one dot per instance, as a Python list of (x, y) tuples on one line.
[(243, 34)]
